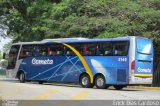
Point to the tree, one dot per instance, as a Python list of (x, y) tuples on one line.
[(7, 47), (39, 19), (0, 55), (28, 20)]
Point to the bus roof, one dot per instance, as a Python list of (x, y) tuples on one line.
[(78, 40)]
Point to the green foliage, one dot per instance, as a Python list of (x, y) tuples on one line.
[(107, 34), (39, 19), (7, 47), (0, 55), (155, 36)]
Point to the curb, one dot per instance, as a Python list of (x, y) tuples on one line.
[(143, 87)]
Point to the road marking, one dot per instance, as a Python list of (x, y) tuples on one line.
[(80, 96), (41, 97), (46, 94)]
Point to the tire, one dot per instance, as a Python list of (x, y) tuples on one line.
[(40, 82), (22, 77), (118, 87), (85, 81), (100, 82)]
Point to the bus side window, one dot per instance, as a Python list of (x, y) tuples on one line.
[(36, 50), (68, 52), (52, 51), (84, 53), (79, 47), (56, 50), (89, 49), (92, 49), (43, 50), (59, 50), (121, 48), (28, 54), (26, 51), (76, 46), (105, 48)]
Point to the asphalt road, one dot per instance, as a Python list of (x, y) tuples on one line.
[(11, 89)]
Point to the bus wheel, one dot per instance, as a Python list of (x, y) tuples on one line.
[(40, 82), (22, 77), (85, 81), (118, 87), (100, 82)]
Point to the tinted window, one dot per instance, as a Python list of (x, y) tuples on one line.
[(26, 51), (120, 48), (88, 49), (68, 52), (91, 49), (56, 50), (13, 56), (115, 48), (41, 50), (78, 47), (105, 49)]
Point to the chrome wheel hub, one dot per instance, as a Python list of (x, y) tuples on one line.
[(21, 77), (85, 81), (100, 82)]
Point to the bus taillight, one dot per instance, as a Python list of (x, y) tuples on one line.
[(132, 65)]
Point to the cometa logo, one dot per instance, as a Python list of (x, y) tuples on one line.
[(144, 70), (34, 61)]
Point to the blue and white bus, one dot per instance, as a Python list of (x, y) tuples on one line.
[(105, 62)]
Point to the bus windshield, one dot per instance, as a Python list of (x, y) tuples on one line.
[(144, 46), (13, 56)]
